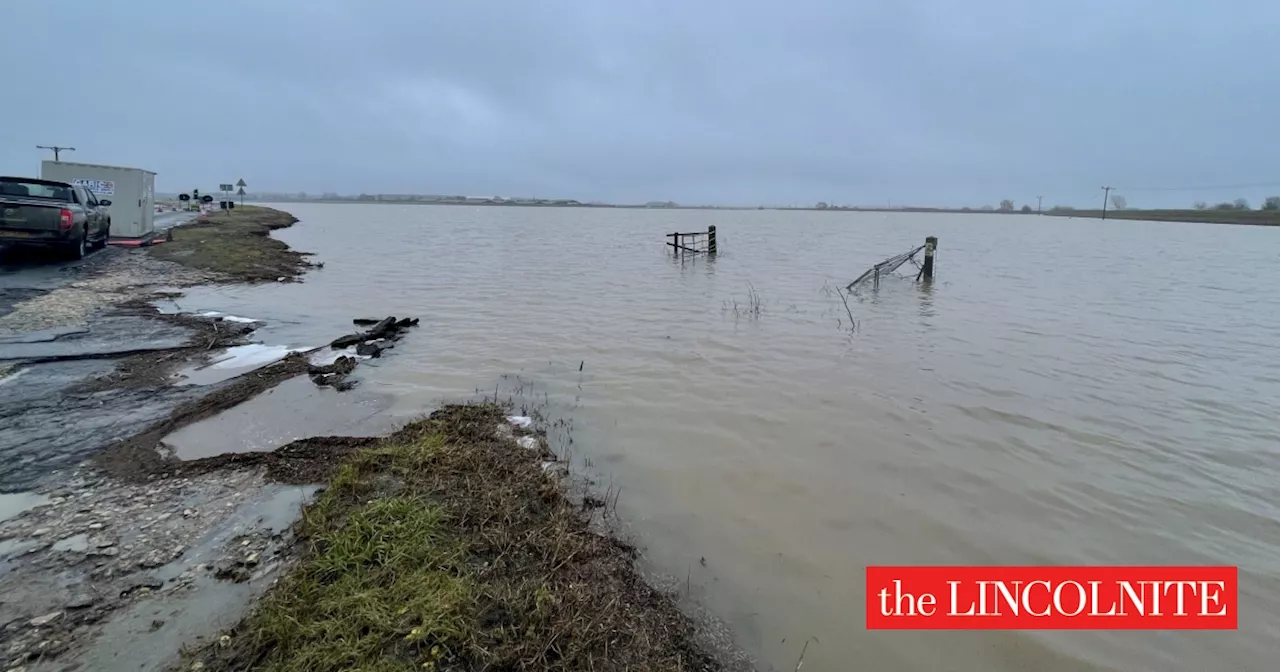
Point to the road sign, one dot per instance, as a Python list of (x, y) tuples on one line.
[(241, 183), (241, 192), (225, 187), (183, 197)]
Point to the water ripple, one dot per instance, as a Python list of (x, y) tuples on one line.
[(1067, 391)]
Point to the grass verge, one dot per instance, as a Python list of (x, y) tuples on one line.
[(449, 547), (235, 243)]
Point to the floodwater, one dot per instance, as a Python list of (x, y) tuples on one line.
[(1066, 392)]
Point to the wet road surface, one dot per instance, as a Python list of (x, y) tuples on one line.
[(48, 423), (49, 426), (27, 272)]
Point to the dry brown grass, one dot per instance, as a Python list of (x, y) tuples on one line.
[(449, 548)]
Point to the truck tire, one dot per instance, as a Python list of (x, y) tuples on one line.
[(106, 236), (79, 249)]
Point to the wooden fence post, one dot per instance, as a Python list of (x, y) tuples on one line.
[(711, 239), (930, 244)]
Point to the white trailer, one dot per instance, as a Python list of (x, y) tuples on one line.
[(132, 192)]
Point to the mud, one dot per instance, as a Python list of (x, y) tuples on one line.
[(154, 550)]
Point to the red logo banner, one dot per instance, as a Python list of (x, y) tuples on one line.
[(1051, 598)]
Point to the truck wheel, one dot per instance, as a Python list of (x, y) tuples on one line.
[(78, 249), (102, 242)]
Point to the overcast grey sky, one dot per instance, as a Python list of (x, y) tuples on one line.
[(929, 102)]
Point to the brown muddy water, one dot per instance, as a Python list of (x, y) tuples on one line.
[(1067, 392)]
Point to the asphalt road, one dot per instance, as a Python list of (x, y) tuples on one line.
[(25, 272), (48, 422), (167, 220)]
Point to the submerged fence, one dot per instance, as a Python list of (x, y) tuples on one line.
[(893, 263), (698, 242)]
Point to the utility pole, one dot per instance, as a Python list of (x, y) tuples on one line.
[(1106, 196), (1039, 201), (56, 150)]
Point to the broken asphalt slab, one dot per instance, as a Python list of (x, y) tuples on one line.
[(104, 337), (48, 426)]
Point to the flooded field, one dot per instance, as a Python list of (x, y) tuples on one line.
[(1066, 392)]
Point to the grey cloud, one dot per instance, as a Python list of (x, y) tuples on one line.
[(749, 101)]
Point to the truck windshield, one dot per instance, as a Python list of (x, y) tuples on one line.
[(22, 189)]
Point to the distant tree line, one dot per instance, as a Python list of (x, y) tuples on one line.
[(1272, 203), (1118, 202)]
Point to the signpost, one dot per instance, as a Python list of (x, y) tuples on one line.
[(240, 183), (226, 195)]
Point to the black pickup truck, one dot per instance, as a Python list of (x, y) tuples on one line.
[(52, 214)]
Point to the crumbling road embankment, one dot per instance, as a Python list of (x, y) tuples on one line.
[(86, 360), (236, 245)]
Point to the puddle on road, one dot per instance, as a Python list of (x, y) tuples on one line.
[(78, 543), (149, 634), (293, 410), (10, 548), (12, 504)]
